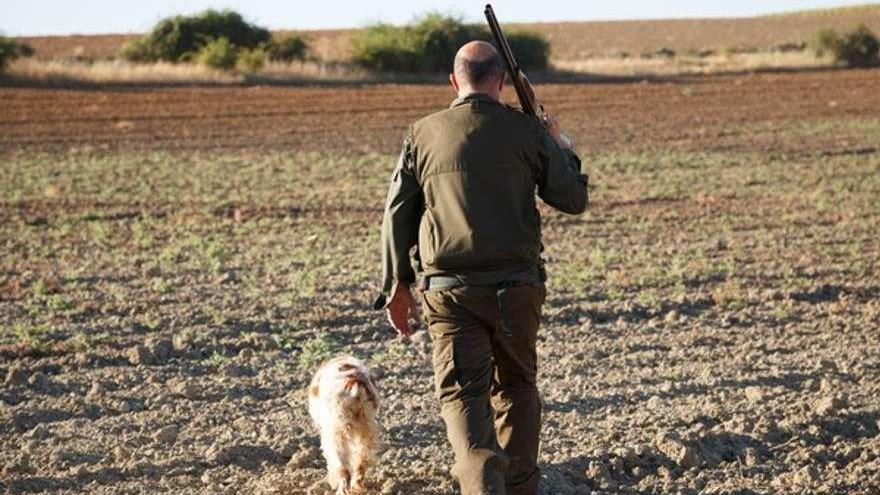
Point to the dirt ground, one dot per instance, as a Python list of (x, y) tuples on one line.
[(176, 261)]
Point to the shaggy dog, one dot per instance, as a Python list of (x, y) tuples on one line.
[(343, 402)]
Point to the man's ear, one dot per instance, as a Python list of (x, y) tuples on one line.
[(454, 82)]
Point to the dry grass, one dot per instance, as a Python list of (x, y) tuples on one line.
[(117, 71), (121, 72), (692, 65)]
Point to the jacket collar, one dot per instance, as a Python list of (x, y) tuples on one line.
[(481, 97)]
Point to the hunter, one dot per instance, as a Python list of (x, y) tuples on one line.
[(461, 211)]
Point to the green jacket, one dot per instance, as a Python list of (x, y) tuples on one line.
[(463, 193)]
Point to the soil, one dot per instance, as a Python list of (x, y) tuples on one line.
[(176, 261)]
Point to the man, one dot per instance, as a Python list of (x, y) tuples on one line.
[(463, 192)]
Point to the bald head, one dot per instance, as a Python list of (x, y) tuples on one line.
[(478, 67)]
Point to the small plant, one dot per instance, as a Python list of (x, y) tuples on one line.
[(287, 48), (58, 303), (215, 359), (11, 50), (857, 48), (161, 286), (34, 337), (219, 54), (316, 350)]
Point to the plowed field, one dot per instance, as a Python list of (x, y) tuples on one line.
[(174, 262), (700, 113)]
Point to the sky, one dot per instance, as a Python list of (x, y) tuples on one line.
[(45, 17)]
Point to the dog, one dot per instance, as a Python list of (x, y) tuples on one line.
[(343, 402)]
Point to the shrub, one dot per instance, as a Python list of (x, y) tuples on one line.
[(250, 61), (531, 50), (219, 54), (386, 48), (430, 43), (179, 38), (11, 50), (825, 41), (287, 48), (437, 39), (857, 48)]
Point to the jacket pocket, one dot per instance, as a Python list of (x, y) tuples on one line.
[(427, 239)]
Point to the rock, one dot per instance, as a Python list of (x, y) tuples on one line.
[(806, 476), (121, 453), (161, 349), (828, 405), (671, 317), (187, 389), (140, 355), (654, 403), (754, 394), (246, 354), (751, 457), (96, 391), (38, 380), (16, 376), (598, 472), (39, 431), (679, 452), (233, 370), (166, 435), (261, 341), (301, 459), (421, 337)]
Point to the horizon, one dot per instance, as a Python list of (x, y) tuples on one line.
[(90, 15)]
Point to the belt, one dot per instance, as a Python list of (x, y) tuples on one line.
[(446, 282)]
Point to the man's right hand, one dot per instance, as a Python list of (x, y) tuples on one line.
[(555, 130), (401, 307)]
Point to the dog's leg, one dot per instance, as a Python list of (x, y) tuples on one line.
[(338, 474), (361, 459)]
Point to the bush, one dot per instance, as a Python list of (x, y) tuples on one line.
[(531, 50), (825, 41), (857, 48), (287, 48), (180, 38), (250, 61), (429, 45), (11, 50), (219, 54)]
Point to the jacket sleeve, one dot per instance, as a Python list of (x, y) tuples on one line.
[(400, 224), (560, 182)]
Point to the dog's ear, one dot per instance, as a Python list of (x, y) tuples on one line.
[(314, 391)]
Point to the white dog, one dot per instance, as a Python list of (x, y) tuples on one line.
[(343, 402)]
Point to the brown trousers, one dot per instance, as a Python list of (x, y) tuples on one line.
[(485, 366)]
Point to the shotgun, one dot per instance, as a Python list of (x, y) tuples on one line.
[(527, 100)]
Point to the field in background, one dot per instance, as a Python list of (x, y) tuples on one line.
[(611, 47), (177, 260)]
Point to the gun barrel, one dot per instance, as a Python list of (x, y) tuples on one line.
[(513, 70)]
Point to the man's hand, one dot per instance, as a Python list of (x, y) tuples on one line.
[(401, 308), (555, 130)]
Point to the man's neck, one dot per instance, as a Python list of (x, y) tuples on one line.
[(471, 93)]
